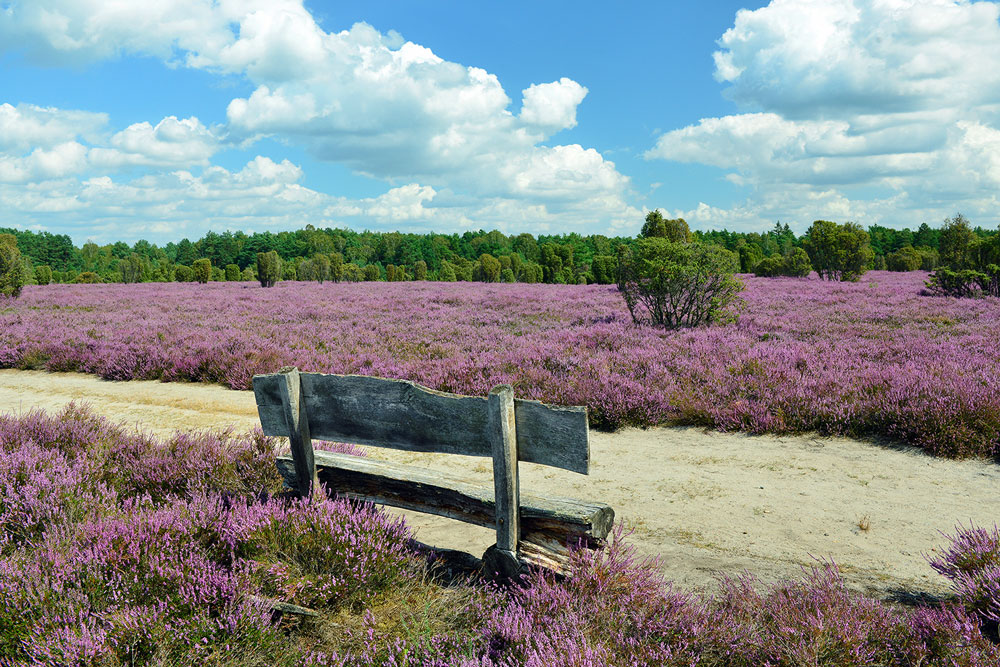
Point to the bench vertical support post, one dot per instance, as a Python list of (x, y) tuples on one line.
[(298, 432), (505, 481)]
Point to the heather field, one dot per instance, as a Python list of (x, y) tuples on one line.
[(868, 359), (118, 548)]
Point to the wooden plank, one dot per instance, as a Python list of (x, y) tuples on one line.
[(297, 428), (545, 521), (404, 415), (503, 437)]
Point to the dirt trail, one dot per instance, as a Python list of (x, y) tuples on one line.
[(704, 502)]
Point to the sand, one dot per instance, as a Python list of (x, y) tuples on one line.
[(705, 503)]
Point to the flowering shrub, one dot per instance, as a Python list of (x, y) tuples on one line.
[(116, 548), (972, 562), (120, 549), (867, 358)]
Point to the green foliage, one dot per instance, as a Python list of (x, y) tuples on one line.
[(838, 252), (218, 275), (43, 274), (957, 244), (795, 264), (489, 268), (970, 264), (657, 227), (770, 267), (268, 268), (11, 267), (420, 270), (371, 273), (604, 268), (394, 274), (446, 273), (906, 258), (289, 271), (131, 268), (966, 283), (202, 270), (336, 267), (673, 284), (320, 268), (750, 256), (232, 272), (89, 277), (248, 274)]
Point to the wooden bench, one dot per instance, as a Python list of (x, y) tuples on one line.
[(403, 415)]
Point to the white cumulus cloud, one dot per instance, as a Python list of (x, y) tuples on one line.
[(379, 104), (846, 98)]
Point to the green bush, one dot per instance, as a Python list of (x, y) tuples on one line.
[(838, 252), (320, 268), (929, 258), (232, 272), (905, 259), (770, 267), (202, 269), (268, 268), (966, 283), (371, 273), (183, 274), (89, 277), (43, 274), (676, 284), (447, 273), (420, 270), (489, 268), (131, 268), (11, 267), (658, 227), (957, 244), (795, 264)]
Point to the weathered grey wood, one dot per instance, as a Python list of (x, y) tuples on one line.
[(549, 522), (297, 429), (503, 437), (403, 415), (285, 607)]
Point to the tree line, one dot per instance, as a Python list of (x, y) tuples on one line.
[(836, 251)]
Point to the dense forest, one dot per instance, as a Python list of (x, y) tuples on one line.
[(343, 254)]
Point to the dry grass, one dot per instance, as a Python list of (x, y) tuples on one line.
[(415, 611), (865, 523)]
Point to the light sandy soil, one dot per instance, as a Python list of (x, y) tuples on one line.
[(706, 503)]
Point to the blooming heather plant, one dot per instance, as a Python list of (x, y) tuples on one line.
[(117, 548), (863, 359), (97, 570), (972, 562)]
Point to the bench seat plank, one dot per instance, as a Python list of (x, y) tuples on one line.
[(546, 522)]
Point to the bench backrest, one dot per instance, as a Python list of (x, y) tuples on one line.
[(404, 415)]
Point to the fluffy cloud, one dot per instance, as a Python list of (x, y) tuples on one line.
[(171, 142), (383, 106), (38, 144), (899, 97), (26, 127), (552, 106)]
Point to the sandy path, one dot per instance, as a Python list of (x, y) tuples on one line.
[(704, 502)]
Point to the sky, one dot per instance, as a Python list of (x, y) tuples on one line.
[(122, 120)]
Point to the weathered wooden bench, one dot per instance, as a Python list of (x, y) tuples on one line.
[(403, 415)]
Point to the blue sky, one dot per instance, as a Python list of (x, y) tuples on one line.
[(121, 121)]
